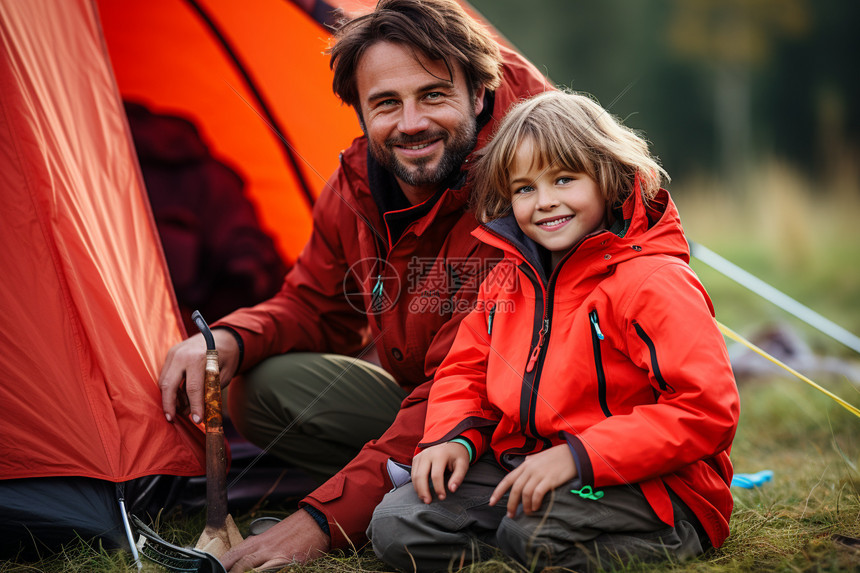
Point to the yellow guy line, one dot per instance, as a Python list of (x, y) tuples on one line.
[(738, 338)]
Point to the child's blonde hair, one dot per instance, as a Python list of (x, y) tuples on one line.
[(570, 130)]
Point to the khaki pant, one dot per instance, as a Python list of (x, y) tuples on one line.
[(315, 411), (571, 532)]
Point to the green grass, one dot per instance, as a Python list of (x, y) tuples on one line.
[(806, 244), (810, 443)]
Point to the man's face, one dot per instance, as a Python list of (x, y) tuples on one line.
[(420, 125)]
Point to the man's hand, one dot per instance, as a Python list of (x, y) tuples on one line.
[(296, 539), (433, 463), (187, 361), (539, 474)]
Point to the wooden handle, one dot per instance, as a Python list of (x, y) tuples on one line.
[(216, 450)]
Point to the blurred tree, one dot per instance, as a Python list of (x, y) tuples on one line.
[(733, 39), (616, 50), (809, 93), (707, 80)]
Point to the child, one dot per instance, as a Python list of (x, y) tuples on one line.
[(591, 372)]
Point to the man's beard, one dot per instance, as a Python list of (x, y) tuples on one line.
[(457, 146)]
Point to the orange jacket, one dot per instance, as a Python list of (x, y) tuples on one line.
[(411, 292), (615, 353)]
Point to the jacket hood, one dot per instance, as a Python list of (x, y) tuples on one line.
[(642, 230)]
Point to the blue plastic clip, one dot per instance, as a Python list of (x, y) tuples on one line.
[(749, 481)]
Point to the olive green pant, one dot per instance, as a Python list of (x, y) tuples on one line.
[(314, 411), (575, 533)]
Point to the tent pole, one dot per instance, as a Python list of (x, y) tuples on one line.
[(128, 533), (775, 296)]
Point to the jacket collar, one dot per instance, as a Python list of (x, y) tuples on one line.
[(507, 229)]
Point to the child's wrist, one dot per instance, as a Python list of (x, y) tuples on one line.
[(465, 443)]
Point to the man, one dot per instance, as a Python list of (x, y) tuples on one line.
[(390, 262)]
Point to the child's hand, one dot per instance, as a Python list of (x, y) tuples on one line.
[(433, 462), (538, 474)]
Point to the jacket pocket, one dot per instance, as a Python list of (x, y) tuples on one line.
[(330, 490), (596, 338), (655, 364)]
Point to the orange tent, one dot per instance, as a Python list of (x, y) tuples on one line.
[(88, 313), (254, 78), (88, 310)]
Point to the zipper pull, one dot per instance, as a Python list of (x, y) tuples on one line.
[(376, 293), (490, 320), (534, 355), (593, 316)]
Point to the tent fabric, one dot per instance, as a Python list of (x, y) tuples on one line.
[(88, 312), (254, 78), (40, 514)]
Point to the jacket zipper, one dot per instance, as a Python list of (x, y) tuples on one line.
[(531, 379), (596, 337), (534, 366), (544, 331), (528, 391), (376, 293), (655, 365), (490, 319)]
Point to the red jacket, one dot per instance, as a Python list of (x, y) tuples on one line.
[(615, 353), (426, 282)]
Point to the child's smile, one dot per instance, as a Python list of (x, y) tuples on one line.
[(553, 205)]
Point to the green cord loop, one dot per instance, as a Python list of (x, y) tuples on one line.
[(587, 493)]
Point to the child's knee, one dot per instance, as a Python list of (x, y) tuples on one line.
[(385, 534), (535, 541), (513, 540), (394, 526)]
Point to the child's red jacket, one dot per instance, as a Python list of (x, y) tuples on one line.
[(616, 353)]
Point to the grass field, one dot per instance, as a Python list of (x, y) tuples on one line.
[(799, 236), (805, 242)]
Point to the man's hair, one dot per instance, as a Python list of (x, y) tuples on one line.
[(438, 29), (569, 130)]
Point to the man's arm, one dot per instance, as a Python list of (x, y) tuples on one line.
[(309, 313)]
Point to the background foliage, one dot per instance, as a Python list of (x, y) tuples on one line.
[(714, 83)]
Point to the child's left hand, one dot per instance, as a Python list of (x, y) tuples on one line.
[(538, 474)]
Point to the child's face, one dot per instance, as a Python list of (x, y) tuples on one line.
[(554, 206)]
